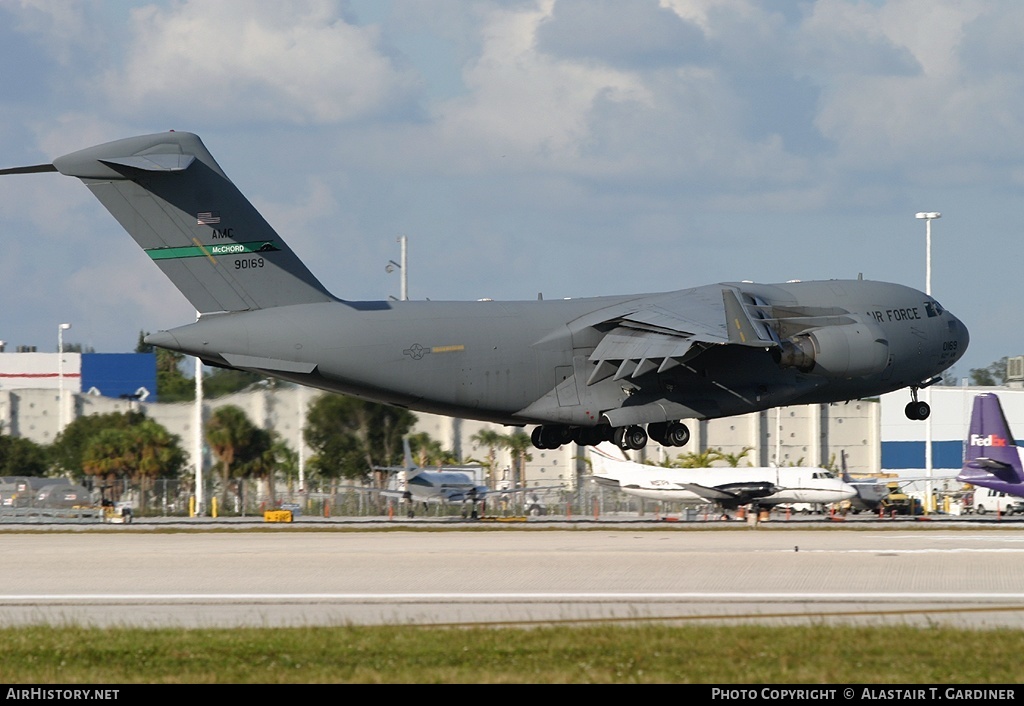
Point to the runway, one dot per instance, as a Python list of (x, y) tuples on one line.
[(499, 576)]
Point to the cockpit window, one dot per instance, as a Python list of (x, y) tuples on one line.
[(933, 308)]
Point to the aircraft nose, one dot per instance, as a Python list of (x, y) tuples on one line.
[(959, 333)]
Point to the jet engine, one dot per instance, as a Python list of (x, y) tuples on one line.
[(843, 351)]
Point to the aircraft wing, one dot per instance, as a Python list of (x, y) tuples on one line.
[(516, 491), (740, 493), (606, 481), (662, 332), (905, 480)]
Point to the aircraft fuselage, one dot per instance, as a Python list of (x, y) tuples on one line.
[(528, 361)]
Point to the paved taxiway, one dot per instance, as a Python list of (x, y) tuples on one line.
[(293, 575)]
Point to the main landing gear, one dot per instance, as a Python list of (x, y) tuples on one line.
[(633, 437)]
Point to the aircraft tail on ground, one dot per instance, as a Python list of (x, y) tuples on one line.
[(173, 198), (411, 469), (991, 450)]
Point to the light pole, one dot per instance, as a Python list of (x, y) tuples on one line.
[(928, 217), (390, 267), (60, 375), (200, 507)]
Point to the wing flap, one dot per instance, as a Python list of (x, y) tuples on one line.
[(669, 331), (627, 352)]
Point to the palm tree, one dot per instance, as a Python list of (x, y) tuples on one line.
[(261, 461), (733, 460), (140, 453), (110, 455), (698, 459), (518, 443), (492, 440), (228, 432), (159, 454), (429, 452), (287, 460)]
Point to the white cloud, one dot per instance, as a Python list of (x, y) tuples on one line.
[(242, 62), (530, 110), (318, 203), (62, 23), (909, 119)]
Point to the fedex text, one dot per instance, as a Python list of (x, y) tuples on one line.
[(990, 440)]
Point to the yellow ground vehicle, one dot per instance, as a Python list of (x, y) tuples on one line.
[(899, 503)]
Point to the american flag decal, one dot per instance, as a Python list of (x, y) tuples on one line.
[(208, 218)]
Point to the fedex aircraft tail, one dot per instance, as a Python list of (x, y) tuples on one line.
[(991, 457), (172, 197)]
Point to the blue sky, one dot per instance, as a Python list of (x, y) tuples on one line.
[(564, 147)]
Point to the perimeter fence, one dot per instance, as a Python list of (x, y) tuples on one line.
[(165, 497)]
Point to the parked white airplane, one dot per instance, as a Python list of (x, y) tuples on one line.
[(413, 484), (727, 487), (448, 484)]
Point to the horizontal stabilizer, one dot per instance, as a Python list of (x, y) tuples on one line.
[(37, 169), (153, 162), (988, 464)]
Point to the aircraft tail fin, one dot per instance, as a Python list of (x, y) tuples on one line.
[(990, 449), (409, 465), (172, 197), (844, 473)]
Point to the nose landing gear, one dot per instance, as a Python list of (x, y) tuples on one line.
[(915, 409)]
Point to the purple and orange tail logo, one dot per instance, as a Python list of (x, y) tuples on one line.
[(990, 440), (990, 446)]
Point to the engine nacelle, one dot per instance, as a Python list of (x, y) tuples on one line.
[(847, 351)]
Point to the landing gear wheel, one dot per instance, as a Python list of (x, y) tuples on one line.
[(617, 436), (677, 434), (550, 436), (917, 410), (658, 431), (634, 438), (535, 437)]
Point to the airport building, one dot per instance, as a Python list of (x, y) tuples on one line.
[(873, 435)]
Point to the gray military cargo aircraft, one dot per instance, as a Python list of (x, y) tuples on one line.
[(620, 368)]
